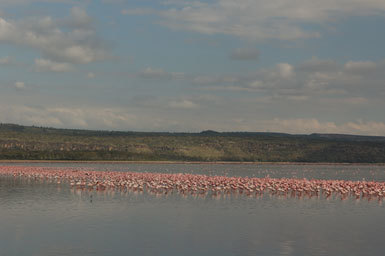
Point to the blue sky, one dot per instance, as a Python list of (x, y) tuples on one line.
[(298, 66)]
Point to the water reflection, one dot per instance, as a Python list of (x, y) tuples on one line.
[(53, 219)]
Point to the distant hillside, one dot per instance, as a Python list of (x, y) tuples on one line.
[(39, 143)]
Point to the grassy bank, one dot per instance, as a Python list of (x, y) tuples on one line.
[(36, 143)]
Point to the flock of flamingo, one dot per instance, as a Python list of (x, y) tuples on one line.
[(196, 184)]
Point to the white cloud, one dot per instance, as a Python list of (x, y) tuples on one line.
[(285, 70), (360, 66), (206, 80), (312, 125), (19, 85), (183, 104), (48, 65), (153, 120), (91, 75), (154, 73), (259, 19), (356, 100), (70, 40), (16, 2), (318, 65), (159, 73), (256, 84), (79, 17), (6, 61), (137, 11), (214, 80), (244, 54), (297, 97), (310, 79), (107, 118)]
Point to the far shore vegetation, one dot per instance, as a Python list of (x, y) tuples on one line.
[(39, 143)]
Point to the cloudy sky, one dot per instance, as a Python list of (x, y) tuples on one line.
[(295, 66)]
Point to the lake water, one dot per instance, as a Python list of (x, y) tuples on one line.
[(50, 219)]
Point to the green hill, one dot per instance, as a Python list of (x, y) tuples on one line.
[(39, 143)]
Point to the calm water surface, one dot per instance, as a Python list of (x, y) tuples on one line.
[(48, 219)]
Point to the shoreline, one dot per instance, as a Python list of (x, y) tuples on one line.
[(186, 162)]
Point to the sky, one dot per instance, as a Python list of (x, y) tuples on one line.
[(293, 66)]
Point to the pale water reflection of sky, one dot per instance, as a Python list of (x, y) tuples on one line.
[(293, 66), (47, 219)]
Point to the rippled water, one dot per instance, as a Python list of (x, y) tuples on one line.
[(48, 219)]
